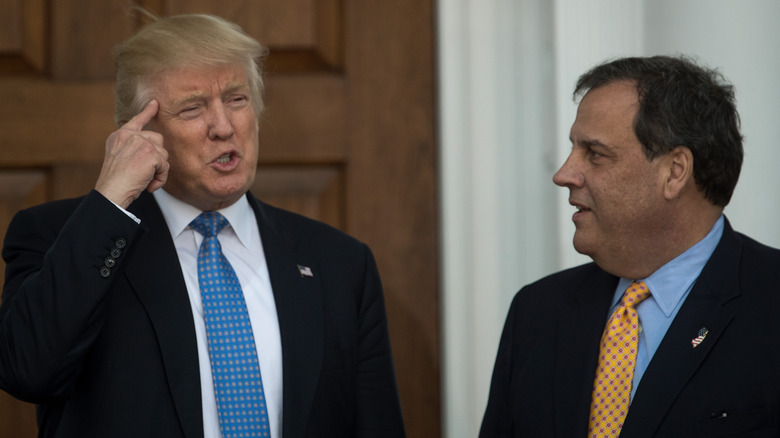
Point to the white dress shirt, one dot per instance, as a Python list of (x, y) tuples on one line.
[(243, 248)]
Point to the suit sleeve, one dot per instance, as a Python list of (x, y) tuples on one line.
[(497, 422), (60, 264), (378, 406)]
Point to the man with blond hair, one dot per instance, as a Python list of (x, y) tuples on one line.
[(170, 302)]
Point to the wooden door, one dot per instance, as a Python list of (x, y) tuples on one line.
[(347, 138)]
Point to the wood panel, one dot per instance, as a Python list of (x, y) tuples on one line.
[(392, 197), (303, 35), (17, 419), (92, 25), (22, 36), (11, 26), (313, 191)]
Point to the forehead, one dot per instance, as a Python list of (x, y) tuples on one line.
[(607, 111), (180, 82)]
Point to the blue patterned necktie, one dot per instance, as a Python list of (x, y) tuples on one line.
[(235, 369)]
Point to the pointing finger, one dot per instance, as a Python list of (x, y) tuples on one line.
[(140, 120)]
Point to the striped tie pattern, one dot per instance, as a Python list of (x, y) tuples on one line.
[(234, 365), (617, 359)]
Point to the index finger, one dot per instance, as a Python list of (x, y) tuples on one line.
[(140, 120)]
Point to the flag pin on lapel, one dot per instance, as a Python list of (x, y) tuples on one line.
[(305, 271), (697, 340)]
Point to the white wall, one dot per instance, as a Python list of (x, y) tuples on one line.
[(496, 78), (507, 69)]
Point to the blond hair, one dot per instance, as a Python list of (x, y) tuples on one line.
[(182, 41)]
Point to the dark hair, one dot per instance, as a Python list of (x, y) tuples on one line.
[(681, 104)]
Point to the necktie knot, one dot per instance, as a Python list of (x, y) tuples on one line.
[(635, 294), (209, 223)]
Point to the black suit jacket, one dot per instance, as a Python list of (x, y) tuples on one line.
[(112, 352), (727, 386)]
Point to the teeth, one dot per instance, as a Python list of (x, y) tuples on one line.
[(223, 159)]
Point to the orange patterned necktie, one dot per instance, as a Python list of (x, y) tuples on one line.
[(615, 373)]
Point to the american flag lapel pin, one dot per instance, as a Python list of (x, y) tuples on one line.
[(697, 340), (305, 271)]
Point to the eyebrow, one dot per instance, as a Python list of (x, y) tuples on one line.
[(230, 88), (590, 143)]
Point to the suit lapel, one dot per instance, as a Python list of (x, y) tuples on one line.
[(155, 276), (299, 308), (578, 337), (707, 306)]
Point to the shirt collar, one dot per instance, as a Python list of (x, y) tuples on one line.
[(670, 283), (178, 215)]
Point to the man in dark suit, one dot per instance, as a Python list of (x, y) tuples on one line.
[(102, 322), (656, 153)]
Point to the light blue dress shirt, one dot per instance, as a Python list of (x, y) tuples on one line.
[(669, 286)]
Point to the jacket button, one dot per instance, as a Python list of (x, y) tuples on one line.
[(116, 252), (120, 243), (110, 262), (105, 272)]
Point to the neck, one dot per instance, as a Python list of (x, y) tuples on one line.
[(650, 254)]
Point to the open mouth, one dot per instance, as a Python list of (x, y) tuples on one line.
[(224, 159), (581, 210)]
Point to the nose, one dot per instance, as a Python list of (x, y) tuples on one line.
[(568, 175), (220, 123)]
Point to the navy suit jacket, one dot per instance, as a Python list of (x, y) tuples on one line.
[(729, 385), (108, 349)]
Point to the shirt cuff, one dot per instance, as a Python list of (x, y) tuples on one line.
[(130, 215)]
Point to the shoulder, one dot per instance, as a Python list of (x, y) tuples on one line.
[(759, 266), (563, 290), (754, 249), (563, 284), (753, 259)]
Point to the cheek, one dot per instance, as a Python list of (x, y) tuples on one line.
[(183, 161), (251, 140), (247, 126)]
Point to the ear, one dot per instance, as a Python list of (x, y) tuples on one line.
[(680, 168)]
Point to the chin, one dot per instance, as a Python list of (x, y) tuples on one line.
[(229, 189), (584, 247)]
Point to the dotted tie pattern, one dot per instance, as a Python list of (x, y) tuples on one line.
[(234, 366), (615, 373)]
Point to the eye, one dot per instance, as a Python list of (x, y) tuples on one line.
[(190, 112), (238, 100), (595, 152)]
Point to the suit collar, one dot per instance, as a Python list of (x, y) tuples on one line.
[(579, 329), (299, 308), (155, 276), (708, 306)]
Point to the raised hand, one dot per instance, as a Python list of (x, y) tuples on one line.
[(135, 160)]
